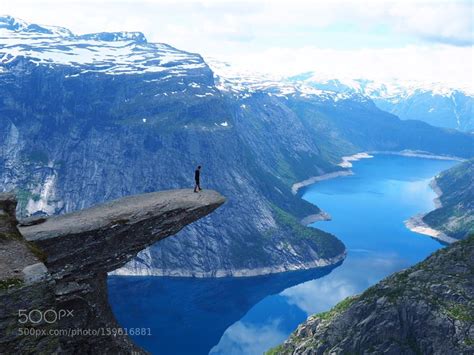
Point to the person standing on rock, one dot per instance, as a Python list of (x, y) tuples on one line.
[(197, 177)]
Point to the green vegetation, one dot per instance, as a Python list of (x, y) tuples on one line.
[(456, 216), (326, 244), (249, 249), (277, 350), (39, 253), (4, 236), (284, 170), (10, 283), (395, 291), (337, 309), (288, 232), (460, 312), (23, 196)]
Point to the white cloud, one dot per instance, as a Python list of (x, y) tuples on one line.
[(427, 19), (247, 338), (440, 63), (446, 22), (322, 294), (424, 40)]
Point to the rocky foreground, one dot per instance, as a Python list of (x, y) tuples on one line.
[(426, 309), (53, 271)]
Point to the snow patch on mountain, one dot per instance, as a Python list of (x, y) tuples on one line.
[(439, 104), (243, 83), (393, 90), (110, 53)]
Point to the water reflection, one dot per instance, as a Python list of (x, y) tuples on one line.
[(278, 315), (189, 316)]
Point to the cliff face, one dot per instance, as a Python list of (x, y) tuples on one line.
[(455, 216), (426, 309), (61, 264)]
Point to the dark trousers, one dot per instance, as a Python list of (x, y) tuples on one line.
[(197, 186)]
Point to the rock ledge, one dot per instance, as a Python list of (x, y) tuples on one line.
[(78, 249)]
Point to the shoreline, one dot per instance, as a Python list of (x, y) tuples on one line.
[(434, 186), (263, 271), (346, 163), (417, 225), (296, 186), (317, 217), (347, 160), (418, 154)]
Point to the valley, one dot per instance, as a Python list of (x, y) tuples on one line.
[(153, 113), (320, 177)]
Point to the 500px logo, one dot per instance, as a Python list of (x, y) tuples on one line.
[(36, 316)]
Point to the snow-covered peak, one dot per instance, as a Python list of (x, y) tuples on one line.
[(392, 90), (106, 52), (12, 24), (18, 26), (236, 79), (244, 82)]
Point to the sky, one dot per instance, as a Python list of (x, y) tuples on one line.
[(381, 40)]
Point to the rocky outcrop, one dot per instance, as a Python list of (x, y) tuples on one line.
[(426, 309), (454, 215), (67, 276), (24, 284), (453, 218)]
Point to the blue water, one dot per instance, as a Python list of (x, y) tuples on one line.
[(250, 315)]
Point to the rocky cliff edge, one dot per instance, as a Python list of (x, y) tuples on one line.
[(53, 270)]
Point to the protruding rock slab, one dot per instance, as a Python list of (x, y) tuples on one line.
[(105, 237), (81, 247), (130, 210)]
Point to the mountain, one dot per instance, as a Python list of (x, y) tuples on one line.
[(89, 118), (455, 215), (435, 103), (413, 311)]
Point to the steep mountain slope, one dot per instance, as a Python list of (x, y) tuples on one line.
[(426, 309), (435, 103), (85, 119), (455, 216)]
